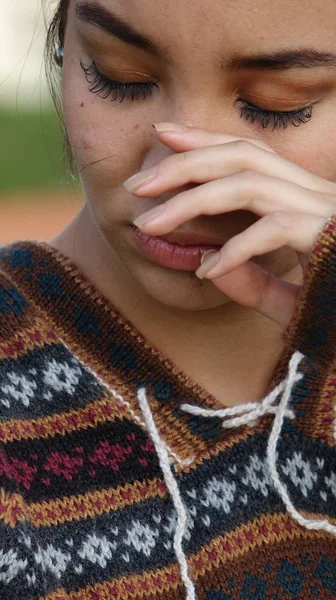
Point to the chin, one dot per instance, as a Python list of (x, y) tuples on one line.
[(180, 290), (177, 289)]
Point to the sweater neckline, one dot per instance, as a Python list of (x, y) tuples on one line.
[(110, 344), (65, 278)]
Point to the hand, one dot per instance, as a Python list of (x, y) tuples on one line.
[(240, 173)]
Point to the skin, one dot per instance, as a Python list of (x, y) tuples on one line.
[(283, 181)]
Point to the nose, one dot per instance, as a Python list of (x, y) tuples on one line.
[(154, 156), (157, 153), (189, 107), (207, 109)]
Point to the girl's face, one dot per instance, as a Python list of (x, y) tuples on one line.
[(198, 64)]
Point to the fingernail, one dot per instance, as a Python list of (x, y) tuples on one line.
[(207, 253), (139, 179), (170, 127), (209, 259), (149, 215)]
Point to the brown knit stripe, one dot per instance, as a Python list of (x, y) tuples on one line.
[(19, 341), (268, 529), (37, 335), (315, 405), (152, 584), (13, 321), (308, 309), (263, 564), (322, 418), (74, 508), (93, 414)]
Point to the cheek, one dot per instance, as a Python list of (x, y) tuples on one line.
[(313, 148), (323, 161), (107, 151), (317, 158), (107, 139), (83, 139)]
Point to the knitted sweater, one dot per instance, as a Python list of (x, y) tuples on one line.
[(120, 477)]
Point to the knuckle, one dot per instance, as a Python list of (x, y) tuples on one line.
[(183, 158), (193, 198), (240, 245), (245, 146), (175, 161), (261, 144), (283, 220), (236, 246), (161, 167), (244, 154), (250, 178)]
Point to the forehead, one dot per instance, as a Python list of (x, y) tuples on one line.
[(226, 27)]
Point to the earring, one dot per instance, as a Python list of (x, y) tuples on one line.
[(59, 56)]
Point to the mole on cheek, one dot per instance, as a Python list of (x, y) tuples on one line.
[(82, 104), (137, 126)]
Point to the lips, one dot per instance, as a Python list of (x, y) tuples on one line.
[(179, 250), (190, 238)]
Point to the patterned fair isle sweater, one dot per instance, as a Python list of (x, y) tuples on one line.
[(123, 479)]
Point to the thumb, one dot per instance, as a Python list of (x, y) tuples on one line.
[(250, 285)]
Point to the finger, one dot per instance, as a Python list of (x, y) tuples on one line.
[(214, 162), (274, 231), (251, 191), (250, 285), (199, 138), (196, 137)]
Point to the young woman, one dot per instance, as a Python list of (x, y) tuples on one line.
[(167, 372)]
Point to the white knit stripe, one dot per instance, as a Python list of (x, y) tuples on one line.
[(172, 486), (271, 453)]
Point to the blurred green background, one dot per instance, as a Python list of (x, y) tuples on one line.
[(31, 153), (38, 197)]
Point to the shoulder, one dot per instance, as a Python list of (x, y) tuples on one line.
[(18, 314), (27, 340), (14, 305)]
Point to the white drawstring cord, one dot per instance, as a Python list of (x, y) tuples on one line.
[(271, 455), (172, 486), (248, 414), (254, 410)]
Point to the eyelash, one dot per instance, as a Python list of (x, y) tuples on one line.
[(105, 88), (280, 119)]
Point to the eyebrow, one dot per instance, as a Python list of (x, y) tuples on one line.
[(285, 59), (96, 14), (99, 16)]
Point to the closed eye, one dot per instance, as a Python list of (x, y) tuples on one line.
[(105, 87)]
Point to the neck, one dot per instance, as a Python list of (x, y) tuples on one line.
[(234, 349)]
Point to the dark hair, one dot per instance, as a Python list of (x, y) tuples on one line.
[(56, 24)]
